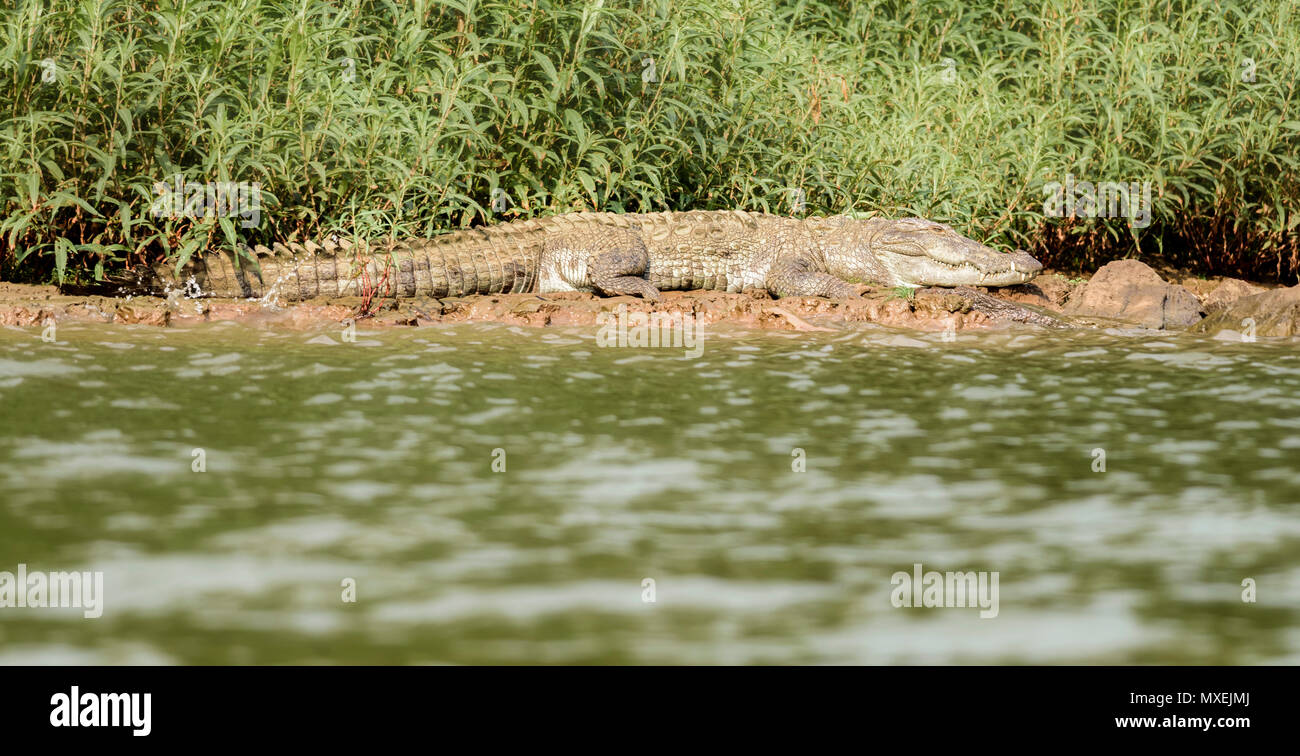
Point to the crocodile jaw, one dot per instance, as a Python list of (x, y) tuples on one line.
[(918, 252), (1010, 269)]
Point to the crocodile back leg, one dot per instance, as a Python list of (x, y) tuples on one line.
[(612, 261)]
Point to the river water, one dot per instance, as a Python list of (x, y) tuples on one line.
[(491, 494)]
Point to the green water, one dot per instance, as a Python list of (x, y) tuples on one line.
[(373, 461)]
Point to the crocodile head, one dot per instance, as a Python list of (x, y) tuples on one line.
[(917, 252)]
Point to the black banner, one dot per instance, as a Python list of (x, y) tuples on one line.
[(873, 705)]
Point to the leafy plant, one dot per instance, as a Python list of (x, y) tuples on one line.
[(373, 119)]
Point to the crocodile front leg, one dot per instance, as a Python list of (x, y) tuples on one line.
[(794, 277)]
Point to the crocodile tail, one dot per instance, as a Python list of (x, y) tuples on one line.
[(476, 261)]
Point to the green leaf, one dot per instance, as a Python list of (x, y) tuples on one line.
[(61, 249), (188, 247)]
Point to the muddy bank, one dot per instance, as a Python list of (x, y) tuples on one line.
[(1124, 292), (26, 306)]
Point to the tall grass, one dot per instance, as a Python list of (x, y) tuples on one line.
[(378, 118)]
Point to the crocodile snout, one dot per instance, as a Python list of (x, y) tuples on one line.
[(1022, 262)]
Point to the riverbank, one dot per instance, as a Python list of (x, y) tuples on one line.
[(1125, 292), (25, 306)]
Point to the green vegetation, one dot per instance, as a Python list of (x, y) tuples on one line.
[(372, 118)]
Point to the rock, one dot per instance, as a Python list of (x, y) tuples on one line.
[(1229, 290), (1131, 291), (1269, 313), (24, 316), (125, 313), (532, 305), (1195, 284)]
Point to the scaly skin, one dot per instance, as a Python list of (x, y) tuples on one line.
[(1000, 309), (612, 254)]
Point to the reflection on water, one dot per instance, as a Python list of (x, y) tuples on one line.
[(374, 461)]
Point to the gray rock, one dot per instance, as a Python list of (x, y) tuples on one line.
[(1271, 313), (1228, 291), (1130, 291)]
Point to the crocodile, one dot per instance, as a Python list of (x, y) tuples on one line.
[(611, 254)]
